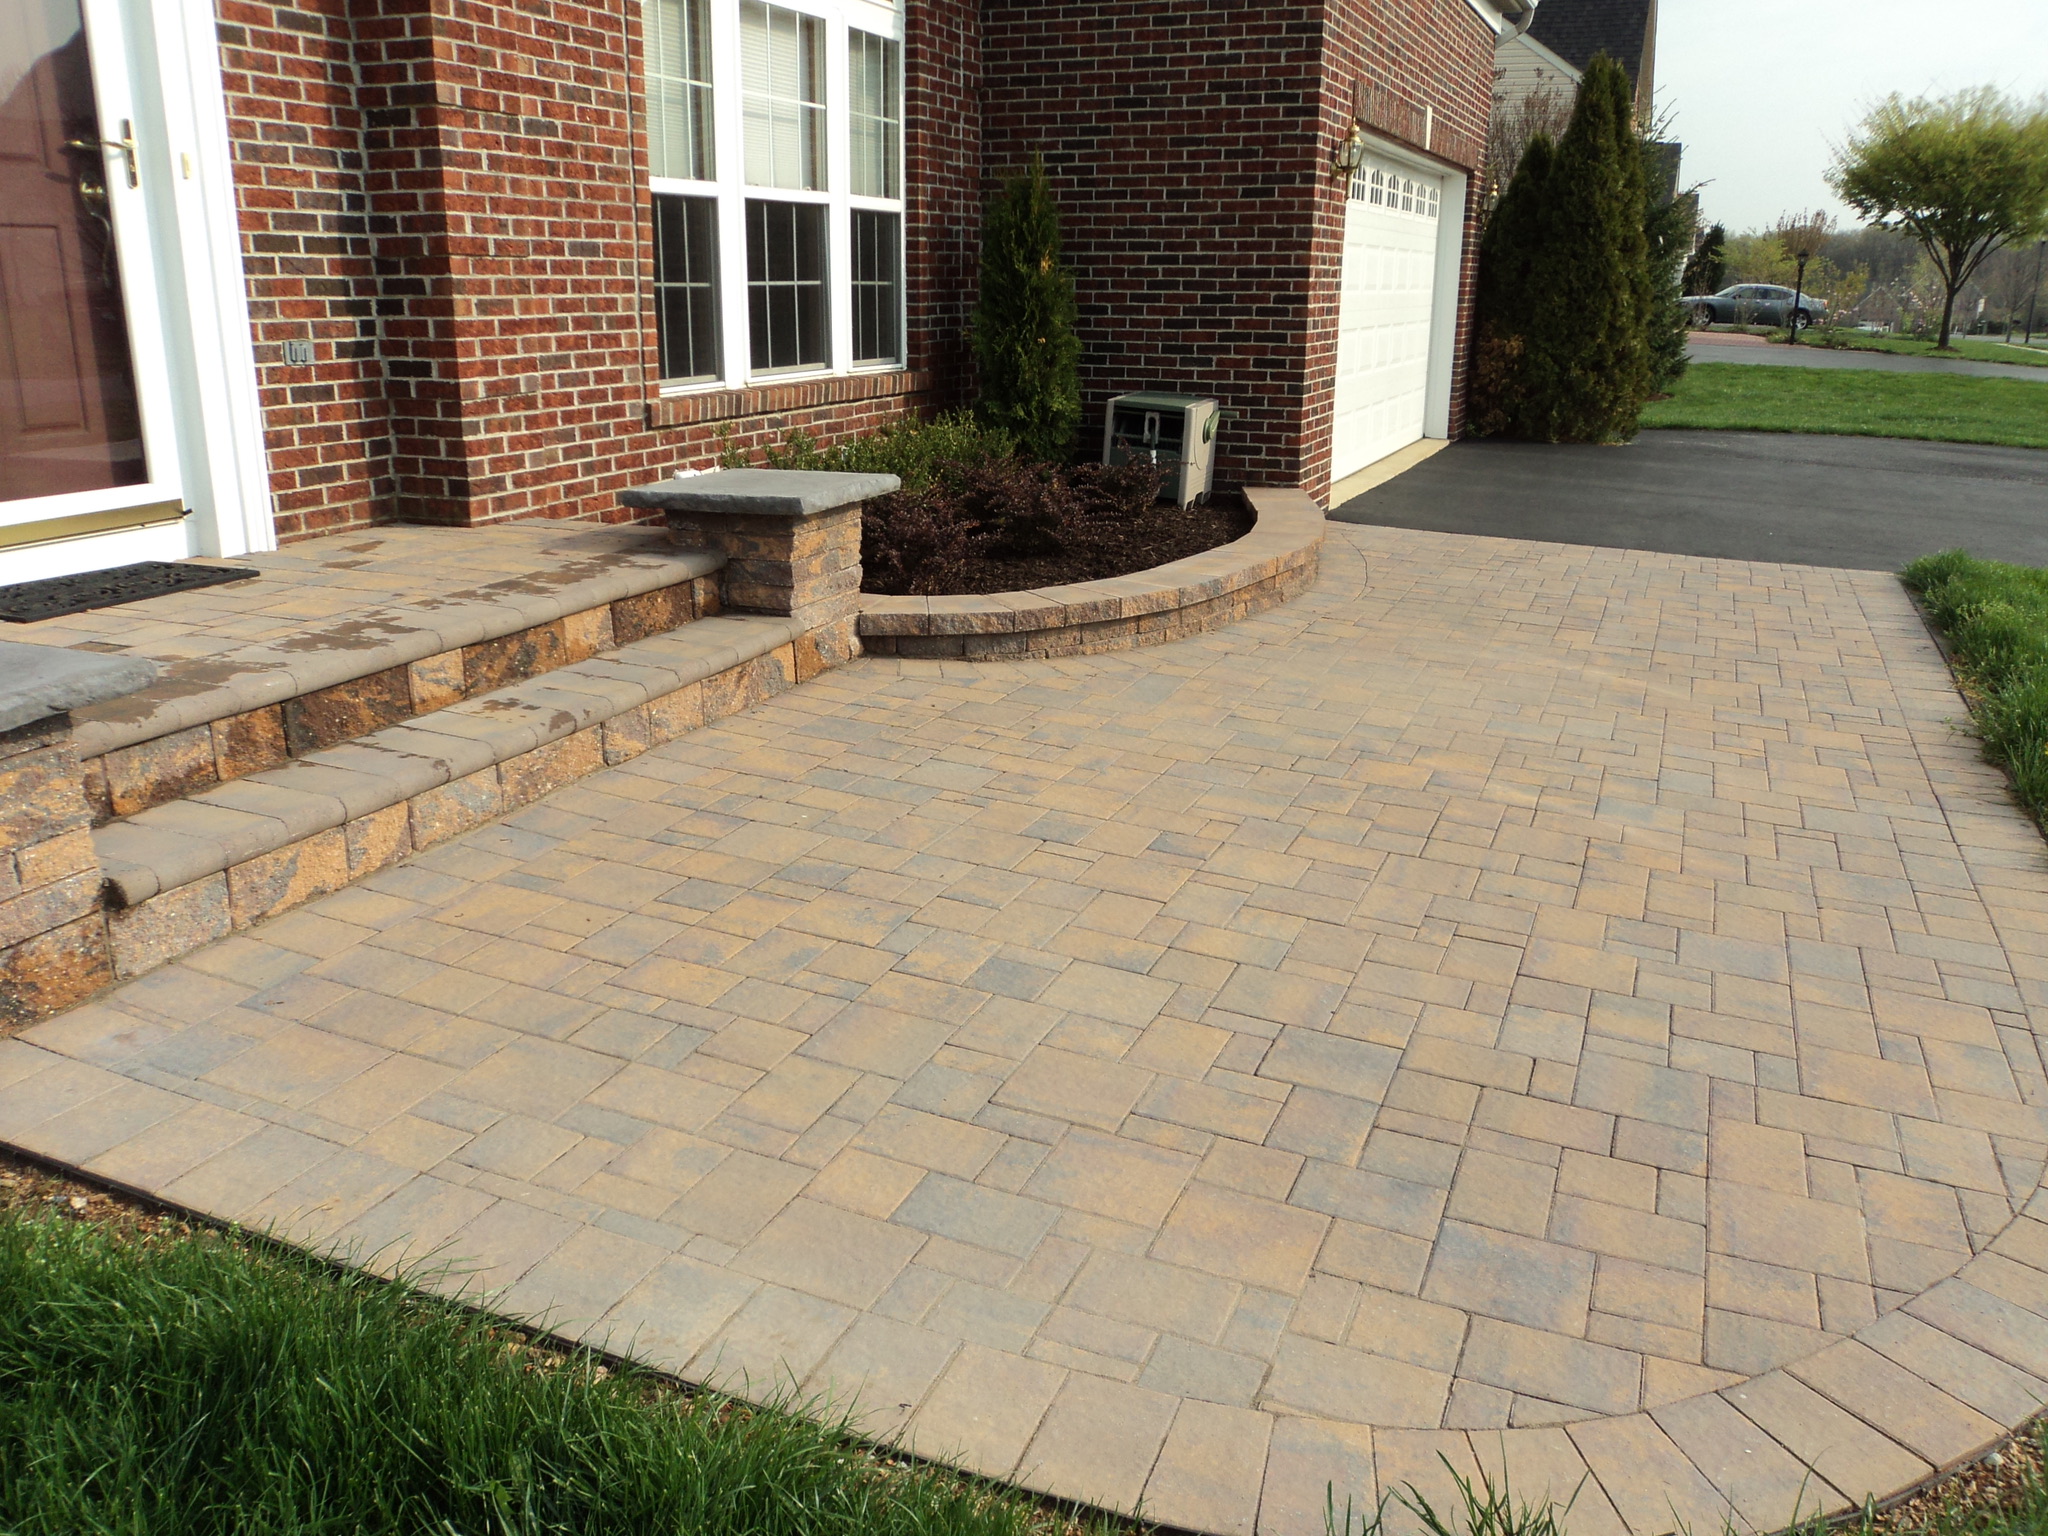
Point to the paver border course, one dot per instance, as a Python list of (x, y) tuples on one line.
[(1276, 561)]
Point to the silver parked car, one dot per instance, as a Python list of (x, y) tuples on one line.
[(1756, 304)]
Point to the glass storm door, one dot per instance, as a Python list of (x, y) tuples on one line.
[(78, 378)]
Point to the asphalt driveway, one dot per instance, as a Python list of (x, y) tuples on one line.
[(1866, 503)]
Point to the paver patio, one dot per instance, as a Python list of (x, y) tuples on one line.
[(1550, 1007)]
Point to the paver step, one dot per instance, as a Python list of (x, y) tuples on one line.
[(222, 715), (278, 837)]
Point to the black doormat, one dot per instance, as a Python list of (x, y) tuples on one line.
[(27, 601)]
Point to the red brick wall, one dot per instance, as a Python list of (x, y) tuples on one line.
[(501, 158), (447, 198), (290, 77), (1190, 147), (1180, 142), (1387, 60), (942, 185)]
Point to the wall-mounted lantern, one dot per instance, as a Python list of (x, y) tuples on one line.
[(1350, 152)]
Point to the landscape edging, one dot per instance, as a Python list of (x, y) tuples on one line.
[(1278, 559)]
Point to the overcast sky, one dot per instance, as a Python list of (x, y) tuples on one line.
[(1760, 90)]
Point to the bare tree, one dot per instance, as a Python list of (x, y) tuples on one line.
[(1515, 121), (1802, 235)]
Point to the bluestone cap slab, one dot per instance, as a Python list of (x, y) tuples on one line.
[(761, 492), (37, 681)]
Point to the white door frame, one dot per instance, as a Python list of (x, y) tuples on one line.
[(1444, 293), (227, 473), (158, 66)]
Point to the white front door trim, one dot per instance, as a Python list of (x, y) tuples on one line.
[(227, 474), (158, 66)]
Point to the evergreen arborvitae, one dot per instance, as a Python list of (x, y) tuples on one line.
[(1504, 376), (1024, 342), (1706, 270), (1669, 225), (1564, 331)]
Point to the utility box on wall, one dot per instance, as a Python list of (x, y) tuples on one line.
[(1176, 432)]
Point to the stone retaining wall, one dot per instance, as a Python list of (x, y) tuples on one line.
[(53, 933), (1275, 561)]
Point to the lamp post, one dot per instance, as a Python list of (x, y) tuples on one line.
[(1801, 237)]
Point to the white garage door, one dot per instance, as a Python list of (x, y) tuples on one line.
[(1392, 220)]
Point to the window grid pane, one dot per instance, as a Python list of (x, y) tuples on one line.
[(786, 276), (877, 290), (875, 93), (679, 140), (686, 286), (782, 54)]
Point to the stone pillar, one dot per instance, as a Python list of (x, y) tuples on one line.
[(791, 541), (53, 929)]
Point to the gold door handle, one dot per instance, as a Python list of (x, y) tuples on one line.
[(125, 144)]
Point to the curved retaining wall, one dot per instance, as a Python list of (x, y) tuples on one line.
[(1269, 565)]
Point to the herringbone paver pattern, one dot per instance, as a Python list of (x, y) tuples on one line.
[(1586, 996)]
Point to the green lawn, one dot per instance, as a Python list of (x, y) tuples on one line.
[(1857, 402), (203, 1384), (1974, 348), (1995, 619)]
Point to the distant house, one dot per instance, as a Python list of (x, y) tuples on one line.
[(1577, 31), (1537, 67), (1524, 67)]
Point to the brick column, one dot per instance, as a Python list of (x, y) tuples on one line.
[(53, 930), (791, 541)]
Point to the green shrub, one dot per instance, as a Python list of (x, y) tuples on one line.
[(1566, 291), (1025, 349), (1506, 375), (1995, 619), (1668, 227), (189, 1386), (920, 453), (1706, 269)]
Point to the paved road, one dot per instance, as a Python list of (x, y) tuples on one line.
[(1507, 987), (1869, 503), (1881, 362)]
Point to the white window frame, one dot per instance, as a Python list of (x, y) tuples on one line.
[(730, 190)]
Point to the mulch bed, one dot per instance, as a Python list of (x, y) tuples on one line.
[(1166, 534), (28, 1186), (1997, 1484)]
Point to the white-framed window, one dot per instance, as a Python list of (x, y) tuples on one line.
[(775, 158)]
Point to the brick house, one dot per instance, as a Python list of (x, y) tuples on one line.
[(289, 269)]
